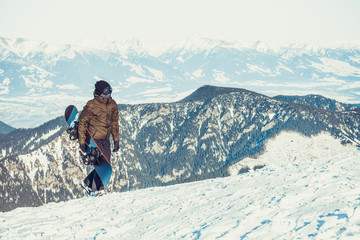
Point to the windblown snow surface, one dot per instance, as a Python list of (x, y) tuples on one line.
[(317, 198)]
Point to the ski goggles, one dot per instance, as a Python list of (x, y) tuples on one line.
[(107, 91)]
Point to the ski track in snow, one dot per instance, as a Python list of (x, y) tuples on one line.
[(316, 199)]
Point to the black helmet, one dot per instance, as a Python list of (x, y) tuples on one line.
[(100, 86)]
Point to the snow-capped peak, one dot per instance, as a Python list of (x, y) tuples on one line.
[(122, 47), (23, 47), (193, 44)]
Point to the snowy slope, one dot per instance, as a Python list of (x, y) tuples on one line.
[(288, 147), (315, 199)]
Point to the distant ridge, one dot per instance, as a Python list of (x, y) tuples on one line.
[(5, 128), (319, 101), (208, 92)]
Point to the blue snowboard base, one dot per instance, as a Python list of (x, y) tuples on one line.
[(103, 167)]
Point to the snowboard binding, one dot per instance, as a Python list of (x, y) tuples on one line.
[(91, 158), (73, 132)]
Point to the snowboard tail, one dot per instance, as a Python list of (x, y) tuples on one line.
[(103, 165), (93, 155)]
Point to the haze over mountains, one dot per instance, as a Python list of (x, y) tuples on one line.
[(38, 80)]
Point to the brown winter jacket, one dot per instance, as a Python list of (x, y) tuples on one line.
[(101, 117)]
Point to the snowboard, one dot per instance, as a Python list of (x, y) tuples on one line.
[(93, 154)]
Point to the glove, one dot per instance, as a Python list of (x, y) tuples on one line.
[(82, 147), (116, 146)]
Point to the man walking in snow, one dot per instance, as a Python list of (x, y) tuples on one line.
[(101, 117)]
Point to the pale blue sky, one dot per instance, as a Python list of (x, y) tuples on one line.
[(159, 21)]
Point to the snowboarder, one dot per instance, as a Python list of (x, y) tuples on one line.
[(101, 117)]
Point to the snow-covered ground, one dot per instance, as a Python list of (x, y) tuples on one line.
[(288, 147), (313, 199)]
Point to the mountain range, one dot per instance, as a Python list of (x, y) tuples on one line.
[(38, 79), (205, 135)]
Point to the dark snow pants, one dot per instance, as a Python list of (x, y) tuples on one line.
[(93, 181)]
